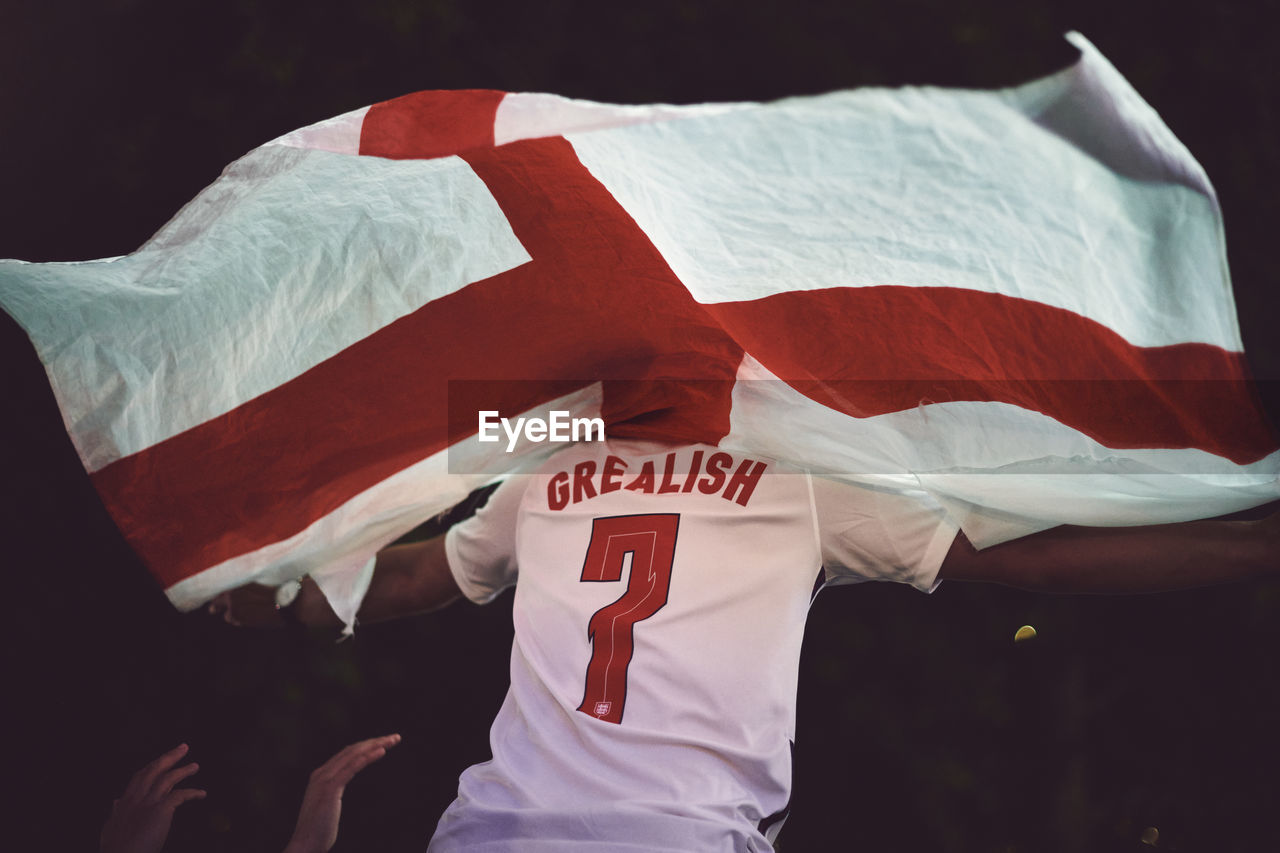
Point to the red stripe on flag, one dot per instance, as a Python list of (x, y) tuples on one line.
[(601, 296), (869, 351), (597, 302), (430, 124)]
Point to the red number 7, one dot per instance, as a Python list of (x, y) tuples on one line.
[(651, 542)]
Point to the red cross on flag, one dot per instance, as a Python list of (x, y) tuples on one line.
[(1016, 301)]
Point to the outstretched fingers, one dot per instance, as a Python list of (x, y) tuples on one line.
[(165, 784), (182, 795), (142, 782), (140, 819), (342, 767), (317, 826)]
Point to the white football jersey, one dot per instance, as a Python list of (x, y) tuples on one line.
[(658, 617)]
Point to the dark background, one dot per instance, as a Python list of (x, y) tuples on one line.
[(922, 726)]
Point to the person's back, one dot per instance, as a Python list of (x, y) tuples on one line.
[(658, 622)]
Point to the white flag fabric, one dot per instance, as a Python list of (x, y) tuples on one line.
[(1015, 300)]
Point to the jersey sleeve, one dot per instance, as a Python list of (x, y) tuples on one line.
[(868, 533), (481, 550)]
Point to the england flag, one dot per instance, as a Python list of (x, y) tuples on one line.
[(1015, 301)]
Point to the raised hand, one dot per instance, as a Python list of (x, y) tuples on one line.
[(141, 817), (317, 827), (251, 606)]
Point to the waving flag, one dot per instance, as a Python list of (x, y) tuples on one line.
[(919, 287)]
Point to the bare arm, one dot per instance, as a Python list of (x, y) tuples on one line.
[(407, 579), (1124, 559)]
